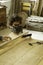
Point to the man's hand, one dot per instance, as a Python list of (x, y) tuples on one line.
[(6, 38)]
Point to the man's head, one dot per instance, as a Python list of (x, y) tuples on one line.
[(16, 24), (16, 21)]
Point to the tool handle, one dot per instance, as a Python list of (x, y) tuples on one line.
[(26, 35)]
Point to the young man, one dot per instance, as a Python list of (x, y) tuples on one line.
[(16, 23)]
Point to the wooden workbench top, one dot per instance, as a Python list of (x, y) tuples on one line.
[(19, 52)]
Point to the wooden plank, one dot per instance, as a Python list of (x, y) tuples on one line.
[(41, 62), (13, 36), (12, 43), (15, 53), (21, 53), (31, 58)]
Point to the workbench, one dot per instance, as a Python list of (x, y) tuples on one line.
[(19, 52)]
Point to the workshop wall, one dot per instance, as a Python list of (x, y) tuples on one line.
[(40, 6)]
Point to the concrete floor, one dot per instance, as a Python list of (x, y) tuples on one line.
[(21, 53)]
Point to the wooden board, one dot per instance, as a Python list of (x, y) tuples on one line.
[(11, 35), (19, 52), (41, 62)]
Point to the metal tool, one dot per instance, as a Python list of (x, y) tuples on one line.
[(31, 44), (26, 35)]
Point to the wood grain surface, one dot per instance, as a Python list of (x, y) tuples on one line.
[(19, 52)]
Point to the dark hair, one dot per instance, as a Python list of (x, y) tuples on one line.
[(16, 19)]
